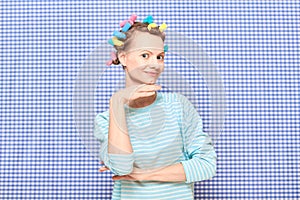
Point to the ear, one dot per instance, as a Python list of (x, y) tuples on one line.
[(122, 58)]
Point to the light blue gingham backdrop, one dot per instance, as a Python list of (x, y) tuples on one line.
[(254, 44)]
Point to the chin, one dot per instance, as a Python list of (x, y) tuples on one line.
[(151, 81), (148, 80)]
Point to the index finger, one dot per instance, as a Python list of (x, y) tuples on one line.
[(148, 87)]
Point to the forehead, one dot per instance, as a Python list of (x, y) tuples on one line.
[(144, 40)]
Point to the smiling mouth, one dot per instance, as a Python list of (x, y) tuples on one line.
[(152, 73)]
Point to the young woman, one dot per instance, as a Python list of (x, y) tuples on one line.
[(152, 141)]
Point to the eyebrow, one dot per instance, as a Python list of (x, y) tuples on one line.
[(152, 52)]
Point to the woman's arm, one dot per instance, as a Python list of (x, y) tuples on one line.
[(172, 173), (118, 138), (115, 147), (201, 164), (200, 167), (119, 151), (116, 150)]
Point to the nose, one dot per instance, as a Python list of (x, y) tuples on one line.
[(155, 61), (156, 65)]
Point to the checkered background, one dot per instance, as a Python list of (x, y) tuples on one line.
[(254, 44)]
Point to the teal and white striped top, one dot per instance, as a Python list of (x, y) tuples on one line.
[(166, 132)]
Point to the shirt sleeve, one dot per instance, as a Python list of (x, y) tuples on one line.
[(119, 164), (201, 163)]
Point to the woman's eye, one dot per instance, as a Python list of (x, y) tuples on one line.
[(160, 57), (145, 55)]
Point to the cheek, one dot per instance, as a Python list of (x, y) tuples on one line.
[(133, 61), (137, 64), (162, 62)]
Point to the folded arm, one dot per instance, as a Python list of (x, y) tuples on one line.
[(201, 156), (111, 130)]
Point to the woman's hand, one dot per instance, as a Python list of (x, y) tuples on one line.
[(118, 137), (102, 169), (171, 173), (132, 176), (134, 92)]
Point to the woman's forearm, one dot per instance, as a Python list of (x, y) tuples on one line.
[(172, 173), (118, 138)]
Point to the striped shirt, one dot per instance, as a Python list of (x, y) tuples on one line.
[(166, 132)]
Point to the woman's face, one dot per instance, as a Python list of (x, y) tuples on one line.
[(144, 59)]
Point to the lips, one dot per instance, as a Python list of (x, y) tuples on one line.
[(152, 73)]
